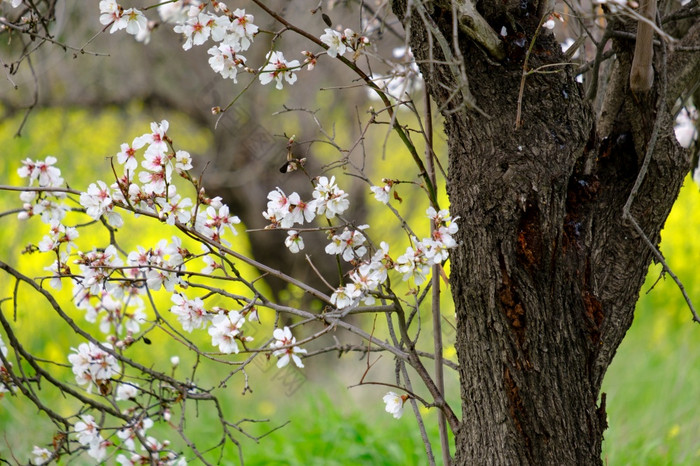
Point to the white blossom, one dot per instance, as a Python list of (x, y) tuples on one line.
[(349, 244), (330, 199), (394, 404), (243, 28), (190, 313), (40, 455), (92, 364), (294, 241), (87, 430), (381, 193), (196, 30), (345, 296), (127, 391), (41, 171), (225, 329), (278, 69), (284, 346), (334, 41)]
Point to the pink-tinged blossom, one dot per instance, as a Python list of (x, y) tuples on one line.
[(243, 28), (155, 182), (156, 139), (155, 278), (335, 42), (444, 227), (127, 155), (48, 209), (140, 257), (381, 262), (284, 346), (111, 13), (190, 313), (299, 211), (175, 208), (219, 219), (225, 330), (98, 201), (155, 161), (435, 251), (366, 279), (394, 404), (96, 267), (196, 30), (114, 313), (42, 171), (219, 27), (87, 430), (58, 234), (278, 207), (201, 224), (136, 196), (294, 241), (176, 252), (278, 69), (349, 244), (440, 217), (226, 61), (330, 199), (414, 264), (211, 262)]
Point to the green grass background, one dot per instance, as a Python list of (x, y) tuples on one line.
[(652, 386)]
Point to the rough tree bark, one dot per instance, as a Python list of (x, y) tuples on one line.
[(548, 272)]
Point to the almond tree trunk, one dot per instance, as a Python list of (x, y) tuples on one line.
[(547, 274)]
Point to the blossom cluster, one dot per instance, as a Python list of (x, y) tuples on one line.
[(286, 211), (341, 42), (133, 21), (109, 284), (370, 271), (47, 204), (88, 434), (110, 288), (231, 31), (93, 366)]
